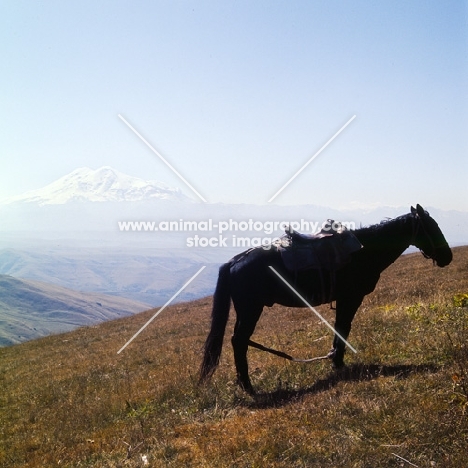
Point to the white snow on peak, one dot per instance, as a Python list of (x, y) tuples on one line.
[(100, 185)]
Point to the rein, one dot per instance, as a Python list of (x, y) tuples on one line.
[(287, 356)]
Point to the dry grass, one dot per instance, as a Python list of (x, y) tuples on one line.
[(70, 400)]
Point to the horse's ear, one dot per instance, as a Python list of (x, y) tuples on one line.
[(413, 210), (420, 210)]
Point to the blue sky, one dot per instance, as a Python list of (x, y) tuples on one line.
[(238, 95)]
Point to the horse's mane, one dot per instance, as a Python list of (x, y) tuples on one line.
[(385, 224)]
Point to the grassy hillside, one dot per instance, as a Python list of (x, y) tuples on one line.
[(32, 309), (70, 400)]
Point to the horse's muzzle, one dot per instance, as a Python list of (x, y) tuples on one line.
[(444, 260)]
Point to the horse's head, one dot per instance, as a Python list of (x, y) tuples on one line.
[(428, 237)]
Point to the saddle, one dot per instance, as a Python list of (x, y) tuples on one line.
[(330, 249)]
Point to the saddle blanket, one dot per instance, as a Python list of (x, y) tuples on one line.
[(328, 250)]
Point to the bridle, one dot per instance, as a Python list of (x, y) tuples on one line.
[(417, 225)]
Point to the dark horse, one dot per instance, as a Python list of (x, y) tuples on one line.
[(249, 281)]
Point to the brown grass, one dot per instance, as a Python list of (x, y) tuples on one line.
[(70, 400)]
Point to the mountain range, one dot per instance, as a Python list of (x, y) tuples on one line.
[(89, 201)]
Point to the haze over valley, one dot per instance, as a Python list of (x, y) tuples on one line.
[(69, 234)]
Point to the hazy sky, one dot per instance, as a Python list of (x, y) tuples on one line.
[(238, 95)]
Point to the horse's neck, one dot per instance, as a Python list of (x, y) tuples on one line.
[(387, 241)]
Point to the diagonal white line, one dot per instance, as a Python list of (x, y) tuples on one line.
[(161, 157), (404, 459), (312, 158), (161, 309), (312, 309)]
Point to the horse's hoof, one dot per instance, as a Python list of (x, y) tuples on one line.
[(338, 364), (246, 387), (251, 392)]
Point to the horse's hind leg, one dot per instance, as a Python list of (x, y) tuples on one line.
[(243, 329)]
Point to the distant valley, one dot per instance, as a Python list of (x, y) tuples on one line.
[(67, 235), (144, 275), (32, 309)]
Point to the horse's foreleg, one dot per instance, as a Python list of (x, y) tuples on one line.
[(243, 330), (345, 312)]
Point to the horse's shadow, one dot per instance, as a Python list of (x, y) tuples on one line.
[(353, 373)]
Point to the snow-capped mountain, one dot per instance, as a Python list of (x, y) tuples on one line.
[(101, 185), (91, 201)]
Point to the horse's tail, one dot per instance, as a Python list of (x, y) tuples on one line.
[(219, 318)]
